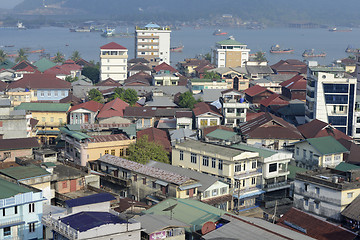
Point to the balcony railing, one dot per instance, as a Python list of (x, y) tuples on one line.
[(245, 190), (60, 227), (276, 185), (249, 173)]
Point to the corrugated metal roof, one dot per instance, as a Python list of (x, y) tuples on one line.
[(8, 189), (44, 107), (24, 172), (221, 134), (91, 199)]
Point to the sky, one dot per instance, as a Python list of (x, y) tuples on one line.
[(8, 4)]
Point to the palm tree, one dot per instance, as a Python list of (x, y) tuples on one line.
[(59, 58), (75, 56), (21, 55), (3, 56)]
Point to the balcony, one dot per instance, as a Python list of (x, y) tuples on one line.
[(60, 227), (247, 174), (276, 186), (117, 180), (247, 190)]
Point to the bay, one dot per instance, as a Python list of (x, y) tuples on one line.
[(195, 41)]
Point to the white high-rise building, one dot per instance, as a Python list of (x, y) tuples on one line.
[(152, 42), (113, 62)]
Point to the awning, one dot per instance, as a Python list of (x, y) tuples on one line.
[(162, 183), (190, 186), (12, 224), (249, 194)]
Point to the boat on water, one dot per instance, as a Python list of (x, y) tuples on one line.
[(350, 49), (311, 53), (37, 51), (108, 32), (276, 49), (219, 33), (9, 46), (20, 26), (340, 30), (177, 49)]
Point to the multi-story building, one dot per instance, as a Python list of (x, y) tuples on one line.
[(234, 107), (237, 167), (230, 53), (113, 62), (22, 209), (330, 97), (152, 42), (51, 116), (326, 192), (13, 124)]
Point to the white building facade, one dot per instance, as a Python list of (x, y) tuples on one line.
[(113, 62)]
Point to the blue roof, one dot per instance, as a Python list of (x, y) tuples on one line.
[(92, 199), (152, 25), (84, 221)]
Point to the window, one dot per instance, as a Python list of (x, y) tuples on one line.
[(206, 194), (317, 190), (358, 120), (304, 153), (350, 195), (273, 167), (230, 110), (206, 161), (35, 93), (106, 151), (317, 205), (113, 152), (31, 207), (49, 93), (243, 183), (144, 181), (16, 210), (213, 122), (31, 227), (214, 192), (64, 184), (306, 202), (311, 155), (56, 93), (153, 185), (253, 181), (213, 162), (135, 178), (63, 93), (187, 192), (121, 152), (181, 155), (306, 187), (244, 167), (220, 164), (7, 154), (41, 94), (4, 212), (238, 168), (43, 119), (60, 120), (7, 231), (253, 164), (51, 119), (193, 157), (341, 108)]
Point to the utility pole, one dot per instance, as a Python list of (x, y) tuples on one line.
[(238, 206), (274, 216)]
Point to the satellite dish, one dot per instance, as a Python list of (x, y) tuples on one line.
[(170, 208), (208, 227)]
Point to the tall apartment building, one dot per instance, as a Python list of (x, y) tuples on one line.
[(234, 107), (330, 97), (152, 42), (230, 53), (113, 62)]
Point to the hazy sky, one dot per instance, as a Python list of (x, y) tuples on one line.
[(9, 3)]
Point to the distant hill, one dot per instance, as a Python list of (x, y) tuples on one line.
[(276, 11)]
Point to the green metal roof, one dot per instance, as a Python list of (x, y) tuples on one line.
[(229, 42), (293, 170), (190, 212), (327, 69), (6, 64), (74, 134), (9, 189), (44, 64), (24, 172), (343, 166), (49, 164), (44, 107), (326, 145), (262, 151), (205, 80), (221, 134)]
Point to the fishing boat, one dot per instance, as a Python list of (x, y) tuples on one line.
[(276, 49), (108, 32), (350, 49), (37, 51), (20, 26), (177, 49), (311, 53), (340, 30), (219, 33)]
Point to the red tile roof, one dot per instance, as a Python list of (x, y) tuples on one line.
[(156, 135), (315, 227), (112, 45), (18, 143), (113, 108), (255, 90), (187, 114), (24, 66), (165, 67), (290, 65), (65, 69), (108, 138), (297, 82), (71, 99), (109, 82), (140, 112), (268, 126), (90, 105), (201, 108), (274, 99), (40, 81), (2, 86), (140, 78), (317, 128), (354, 151), (252, 115)]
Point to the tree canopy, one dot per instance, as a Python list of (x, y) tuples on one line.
[(75, 56), (95, 95), (3, 56), (21, 55), (59, 58), (129, 95), (143, 150), (186, 100), (211, 75), (260, 57), (92, 73)]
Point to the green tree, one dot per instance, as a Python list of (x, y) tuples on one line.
[(260, 57), (129, 95), (59, 58), (211, 75), (75, 56), (207, 56), (186, 100), (143, 150), (92, 73), (95, 95), (3, 56), (21, 55), (71, 79)]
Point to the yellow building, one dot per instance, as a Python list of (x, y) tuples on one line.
[(51, 116)]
